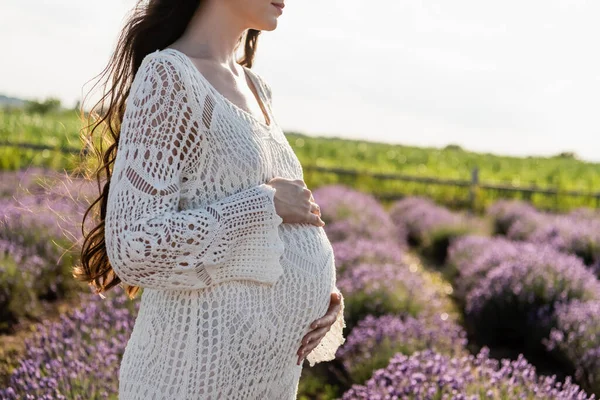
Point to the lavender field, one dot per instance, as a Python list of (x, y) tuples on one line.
[(439, 304)]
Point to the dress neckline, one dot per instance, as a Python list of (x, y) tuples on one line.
[(260, 97)]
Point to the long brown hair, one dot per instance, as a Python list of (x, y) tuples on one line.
[(152, 25)]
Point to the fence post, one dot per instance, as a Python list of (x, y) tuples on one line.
[(473, 188)]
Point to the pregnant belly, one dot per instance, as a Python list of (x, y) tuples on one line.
[(307, 248), (254, 321), (309, 271)]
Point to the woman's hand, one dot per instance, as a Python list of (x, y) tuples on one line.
[(320, 327), (294, 202)]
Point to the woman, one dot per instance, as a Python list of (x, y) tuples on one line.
[(207, 210)]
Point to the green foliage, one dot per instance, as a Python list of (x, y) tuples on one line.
[(55, 130), (380, 358), (43, 107), (567, 154), (43, 274), (397, 300), (17, 300), (384, 351), (438, 241), (454, 147), (315, 384)]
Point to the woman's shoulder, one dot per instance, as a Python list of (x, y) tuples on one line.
[(164, 61), (163, 73), (170, 65)]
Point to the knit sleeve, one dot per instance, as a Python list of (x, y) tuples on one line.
[(150, 242)]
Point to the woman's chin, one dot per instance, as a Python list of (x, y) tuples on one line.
[(268, 25)]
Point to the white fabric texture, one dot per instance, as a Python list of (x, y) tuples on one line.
[(229, 289)]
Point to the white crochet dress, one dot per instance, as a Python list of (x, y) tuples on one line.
[(229, 289)]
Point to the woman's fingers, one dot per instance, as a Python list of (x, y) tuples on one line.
[(315, 215), (315, 209), (311, 342), (315, 334), (321, 326), (315, 219)]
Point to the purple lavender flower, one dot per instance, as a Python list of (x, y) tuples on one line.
[(379, 289), (349, 253), (32, 239), (430, 375), (421, 216), (572, 235), (40, 233), (472, 257), (349, 213), (575, 233), (375, 340), (584, 213), (76, 357), (506, 212), (431, 227), (508, 303), (577, 338)]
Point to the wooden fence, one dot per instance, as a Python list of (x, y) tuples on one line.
[(33, 146), (473, 185)]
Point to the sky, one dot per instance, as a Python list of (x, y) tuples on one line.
[(516, 77)]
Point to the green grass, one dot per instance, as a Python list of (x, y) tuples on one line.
[(57, 130), (452, 163), (565, 173)]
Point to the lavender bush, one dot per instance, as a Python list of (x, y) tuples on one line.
[(575, 233), (467, 247), (33, 258), (40, 234), (77, 357), (420, 216), (505, 212), (429, 375), (349, 253), (351, 214), (431, 227), (577, 339), (28, 181), (510, 303), (571, 234), (522, 229), (470, 258), (509, 290), (374, 341), (584, 213), (56, 206), (372, 289), (19, 273)]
